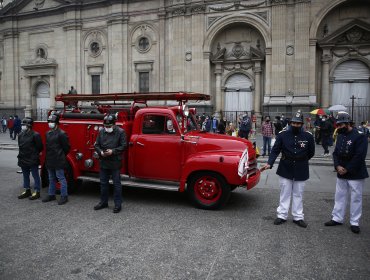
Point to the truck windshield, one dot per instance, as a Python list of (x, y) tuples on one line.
[(189, 122)]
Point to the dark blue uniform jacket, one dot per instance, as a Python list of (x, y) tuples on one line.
[(295, 150), (350, 152)]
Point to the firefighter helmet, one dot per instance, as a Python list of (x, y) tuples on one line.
[(298, 117), (54, 118), (109, 120), (27, 121), (343, 117)]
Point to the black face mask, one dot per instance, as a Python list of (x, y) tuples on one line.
[(342, 130), (296, 130)]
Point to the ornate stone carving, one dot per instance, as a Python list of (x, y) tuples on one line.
[(188, 56), (326, 58), (290, 50), (39, 4), (219, 8), (212, 20), (277, 2), (179, 11), (354, 35), (237, 50), (198, 9)]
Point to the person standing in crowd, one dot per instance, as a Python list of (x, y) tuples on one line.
[(57, 148), (4, 123), (11, 126), (222, 126), (17, 127), (278, 125), (297, 148), (364, 129), (245, 126), (349, 162), (267, 133), (326, 132), (110, 144), (331, 120), (317, 124), (214, 124), (30, 147)]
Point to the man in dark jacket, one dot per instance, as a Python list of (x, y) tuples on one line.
[(349, 162), (297, 147), (326, 130), (57, 148), (110, 144), (17, 126), (30, 147)]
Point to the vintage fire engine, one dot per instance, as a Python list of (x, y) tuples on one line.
[(165, 148)]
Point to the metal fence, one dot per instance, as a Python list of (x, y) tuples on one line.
[(40, 114), (360, 114)]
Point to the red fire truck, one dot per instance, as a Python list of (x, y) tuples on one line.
[(165, 148)]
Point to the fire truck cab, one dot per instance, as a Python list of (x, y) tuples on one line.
[(165, 148)]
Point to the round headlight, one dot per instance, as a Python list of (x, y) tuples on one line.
[(79, 156)]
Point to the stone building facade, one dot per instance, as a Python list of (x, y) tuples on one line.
[(266, 56)]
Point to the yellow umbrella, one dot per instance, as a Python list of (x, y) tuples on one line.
[(320, 111)]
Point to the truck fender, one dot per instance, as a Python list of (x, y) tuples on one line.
[(223, 163), (76, 171)]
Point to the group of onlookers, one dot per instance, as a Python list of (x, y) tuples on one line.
[(13, 124)]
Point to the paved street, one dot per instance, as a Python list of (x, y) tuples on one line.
[(159, 235)]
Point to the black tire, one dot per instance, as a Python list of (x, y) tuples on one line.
[(208, 190), (72, 184), (233, 187)]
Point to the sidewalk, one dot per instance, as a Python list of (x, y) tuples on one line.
[(6, 143)]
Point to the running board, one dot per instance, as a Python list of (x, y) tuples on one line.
[(139, 183)]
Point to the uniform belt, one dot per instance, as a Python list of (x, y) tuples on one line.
[(345, 157), (293, 158)]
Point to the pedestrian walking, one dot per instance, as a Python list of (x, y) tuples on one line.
[(30, 146), (57, 148), (267, 133), (4, 123), (278, 125), (110, 144), (349, 162), (297, 148), (11, 126), (17, 127)]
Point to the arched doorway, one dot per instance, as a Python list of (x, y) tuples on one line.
[(42, 100), (351, 78), (238, 93)]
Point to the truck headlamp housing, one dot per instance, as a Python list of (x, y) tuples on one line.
[(79, 156), (89, 163)]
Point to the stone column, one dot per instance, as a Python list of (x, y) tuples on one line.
[(28, 109), (52, 92), (257, 87), (326, 58), (218, 73)]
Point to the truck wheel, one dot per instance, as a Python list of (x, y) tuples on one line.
[(68, 173), (208, 190)]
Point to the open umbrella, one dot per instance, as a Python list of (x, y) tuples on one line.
[(320, 111), (337, 108)]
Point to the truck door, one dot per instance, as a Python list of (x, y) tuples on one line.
[(157, 151)]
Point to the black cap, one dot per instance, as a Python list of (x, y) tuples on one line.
[(54, 118), (109, 120), (28, 121)]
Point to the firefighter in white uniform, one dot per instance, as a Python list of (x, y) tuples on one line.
[(297, 148), (349, 162)]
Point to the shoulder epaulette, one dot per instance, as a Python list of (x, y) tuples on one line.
[(309, 132)]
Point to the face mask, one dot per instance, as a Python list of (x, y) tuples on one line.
[(24, 127), (267, 120), (51, 125), (296, 130), (342, 130), (323, 119), (108, 129)]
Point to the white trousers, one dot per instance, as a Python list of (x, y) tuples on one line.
[(287, 188), (343, 188)]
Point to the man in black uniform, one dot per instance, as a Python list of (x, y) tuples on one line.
[(297, 147), (30, 147), (57, 148), (349, 162), (110, 144)]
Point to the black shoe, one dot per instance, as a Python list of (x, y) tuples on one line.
[(300, 223), (263, 155), (49, 198), (35, 195), (116, 209), (355, 229), (25, 194), (332, 223), (279, 221), (100, 206), (63, 200)]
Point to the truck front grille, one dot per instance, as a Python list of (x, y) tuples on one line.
[(252, 167)]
